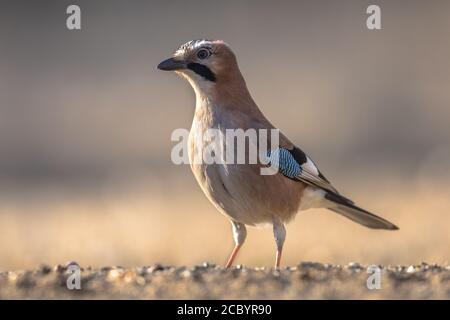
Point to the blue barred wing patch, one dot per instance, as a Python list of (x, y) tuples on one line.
[(283, 160)]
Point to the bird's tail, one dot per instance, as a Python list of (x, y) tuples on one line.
[(349, 210)]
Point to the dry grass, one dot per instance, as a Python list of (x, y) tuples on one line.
[(182, 228)]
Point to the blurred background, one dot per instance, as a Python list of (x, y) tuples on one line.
[(85, 124)]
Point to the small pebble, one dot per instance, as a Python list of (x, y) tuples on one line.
[(45, 269), (113, 274), (59, 268), (140, 281), (276, 273), (72, 263), (12, 276), (155, 267), (129, 276), (186, 273), (354, 266), (141, 270)]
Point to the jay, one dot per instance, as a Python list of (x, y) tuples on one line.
[(239, 190)]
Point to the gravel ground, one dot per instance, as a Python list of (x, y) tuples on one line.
[(306, 281)]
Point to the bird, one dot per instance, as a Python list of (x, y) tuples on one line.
[(239, 190)]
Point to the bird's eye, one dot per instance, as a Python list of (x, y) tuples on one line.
[(203, 54)]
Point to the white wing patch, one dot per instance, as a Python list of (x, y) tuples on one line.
[(309, 174), (310, 167), (312, 198)]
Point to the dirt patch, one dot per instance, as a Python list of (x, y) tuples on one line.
[(305, 281)]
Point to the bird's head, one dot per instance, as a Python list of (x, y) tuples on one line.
[(205, 64)]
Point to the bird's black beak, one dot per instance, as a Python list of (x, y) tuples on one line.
[(171, 64)]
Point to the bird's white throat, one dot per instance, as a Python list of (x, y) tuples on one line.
[(202, 88)]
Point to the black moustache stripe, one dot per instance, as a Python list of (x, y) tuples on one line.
[(202, 70)]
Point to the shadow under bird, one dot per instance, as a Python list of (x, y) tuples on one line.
[(240, 191)]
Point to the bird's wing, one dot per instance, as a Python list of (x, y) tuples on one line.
[(295, 164)]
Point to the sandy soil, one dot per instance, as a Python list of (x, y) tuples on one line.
[(305, 281)]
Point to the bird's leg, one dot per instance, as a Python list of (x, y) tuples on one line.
[(239, 235), (279, 232)]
